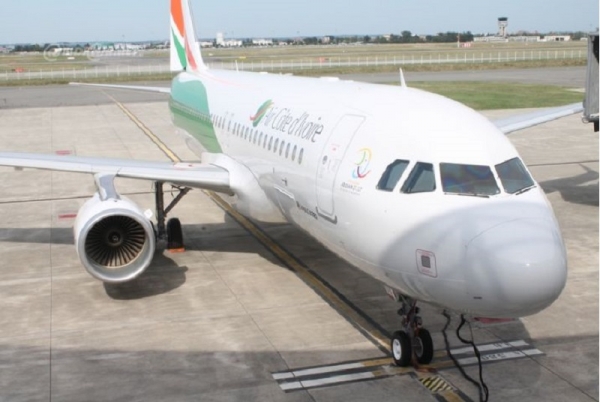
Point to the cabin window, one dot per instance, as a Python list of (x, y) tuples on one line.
[(270, 143), (474, 180), (260, 137), (420, 180), (294, 154), (276, 145), (514, 176), (264, 141), (247, 133), (392, 175), (281, 147), (255, 137), (287, 150), (300, 156)]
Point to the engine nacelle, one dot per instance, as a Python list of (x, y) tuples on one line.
[(114, 239)]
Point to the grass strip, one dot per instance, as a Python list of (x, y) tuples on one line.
[(496, 95)]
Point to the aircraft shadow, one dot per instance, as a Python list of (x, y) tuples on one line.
[(152, 372), (574, 189), (162, 276), (201, 237)]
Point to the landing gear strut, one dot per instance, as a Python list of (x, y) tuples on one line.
[(412, 340), (171, 231)]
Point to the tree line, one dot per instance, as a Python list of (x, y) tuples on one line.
[(403, 37)]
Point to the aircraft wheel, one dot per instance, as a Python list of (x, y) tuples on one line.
[(423, 346), (174, 234), (401, 348)]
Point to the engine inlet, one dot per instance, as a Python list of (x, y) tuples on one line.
[(115, 241)]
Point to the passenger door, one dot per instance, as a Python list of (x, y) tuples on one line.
[(330, 161)]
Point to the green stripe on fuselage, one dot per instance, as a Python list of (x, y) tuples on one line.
[(190, 111)]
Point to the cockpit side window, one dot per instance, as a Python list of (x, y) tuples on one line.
[(420, 180), (392, 175), (477, 180), (514, 176)]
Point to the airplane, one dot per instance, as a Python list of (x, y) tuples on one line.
[(417, 190)]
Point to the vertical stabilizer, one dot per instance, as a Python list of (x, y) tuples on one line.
[(185, 53)]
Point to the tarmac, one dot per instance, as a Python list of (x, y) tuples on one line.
[(249, 311)]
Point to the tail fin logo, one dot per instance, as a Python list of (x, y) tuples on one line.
[(178, 33), (261, 112), (184, 49)]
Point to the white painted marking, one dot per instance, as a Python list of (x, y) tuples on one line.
[(338, 379), (282, 376), (491, 346), (288, 386), (500, 356), (533, 352), (109, 356)]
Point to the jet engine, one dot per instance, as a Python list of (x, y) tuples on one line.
[(115, 241)]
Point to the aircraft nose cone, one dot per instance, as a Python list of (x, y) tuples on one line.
[(517, 268)]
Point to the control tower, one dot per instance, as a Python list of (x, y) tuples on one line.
[(220, 39), (502, 24)]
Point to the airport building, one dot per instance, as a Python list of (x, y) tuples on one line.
[(502, 35), (221, 42), (262, 42)]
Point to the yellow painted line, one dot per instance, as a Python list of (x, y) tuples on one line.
[(305, 274), (377, 362), (376, 335), (366, 327), (451, 396), (157, 141)]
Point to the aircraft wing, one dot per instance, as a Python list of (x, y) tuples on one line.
[(164, 90), (196, 175), (519, 122)]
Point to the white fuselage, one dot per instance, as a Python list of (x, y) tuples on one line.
[(317, 150)]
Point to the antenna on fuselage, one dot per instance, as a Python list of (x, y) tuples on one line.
[(402, 81)]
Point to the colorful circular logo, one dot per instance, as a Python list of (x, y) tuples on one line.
[(362, 166)]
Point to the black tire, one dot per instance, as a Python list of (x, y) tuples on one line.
[(401, 349), (423, 346), (174, 234)]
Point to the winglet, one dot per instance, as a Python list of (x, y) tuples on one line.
[(402, 81), (185, 51)]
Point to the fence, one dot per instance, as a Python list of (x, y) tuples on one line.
[(116, 70)]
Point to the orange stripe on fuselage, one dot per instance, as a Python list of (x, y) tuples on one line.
[(177, 14)]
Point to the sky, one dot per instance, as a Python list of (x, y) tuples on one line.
[(50, 21)]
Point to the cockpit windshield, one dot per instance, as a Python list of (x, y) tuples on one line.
[(514, 177), (472, 180)]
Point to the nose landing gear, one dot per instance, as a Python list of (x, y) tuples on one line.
[(412, 341)]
